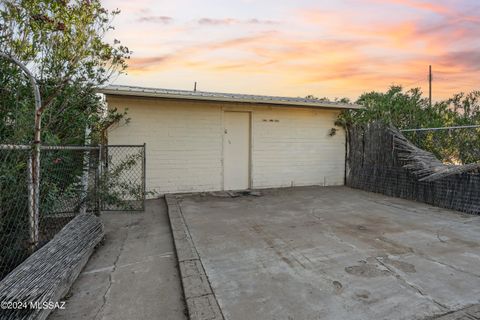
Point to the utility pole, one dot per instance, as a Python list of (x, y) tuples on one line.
[(430, 85)]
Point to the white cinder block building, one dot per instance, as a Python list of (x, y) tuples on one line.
[(203, 141)]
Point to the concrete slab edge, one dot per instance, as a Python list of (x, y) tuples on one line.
[(199, 297)]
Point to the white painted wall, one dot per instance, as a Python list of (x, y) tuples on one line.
[(297, 150), (183, 142), (290, 146)]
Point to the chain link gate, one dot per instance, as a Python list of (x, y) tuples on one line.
[(122, 178)]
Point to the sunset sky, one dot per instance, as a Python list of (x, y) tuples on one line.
[(295, 48)]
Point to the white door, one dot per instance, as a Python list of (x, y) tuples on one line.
[(236, 151)]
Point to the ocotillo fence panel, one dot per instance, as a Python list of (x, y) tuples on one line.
[(373, 165)]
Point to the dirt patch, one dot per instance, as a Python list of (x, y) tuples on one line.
[(337, 286), (390, 246), (362, 295), (281, 251), (373, 231), (400, 265), (367, 270)]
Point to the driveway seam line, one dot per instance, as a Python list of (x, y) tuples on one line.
[(411, 285)]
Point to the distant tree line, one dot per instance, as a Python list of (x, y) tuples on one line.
[(410, 109)]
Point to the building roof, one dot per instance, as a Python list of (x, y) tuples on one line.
[(120, 90)]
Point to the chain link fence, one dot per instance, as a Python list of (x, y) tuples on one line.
[(73, 180), (14, 208), (123, 178), (68, 186), (452, 145)]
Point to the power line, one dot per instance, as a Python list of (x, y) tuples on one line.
[(414, 82), (441, 128), (473, 83)]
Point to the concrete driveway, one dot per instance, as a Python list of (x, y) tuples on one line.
[(334, 253), (133, 275)]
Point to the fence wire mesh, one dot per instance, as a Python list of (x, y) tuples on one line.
[(14, 213), (68, 186), (456, 145), (373, 165), (73, 180), (123, 178)]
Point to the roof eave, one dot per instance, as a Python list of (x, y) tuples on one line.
[(117, 92)]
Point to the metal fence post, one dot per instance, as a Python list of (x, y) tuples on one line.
[(85, 174), (35, 171), (32, 212), (99, 178), (144, 168)]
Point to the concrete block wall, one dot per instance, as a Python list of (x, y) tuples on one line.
[(290, 146), (183, 142)]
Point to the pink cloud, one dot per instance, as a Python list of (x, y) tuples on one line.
[(318, 49), (156, 19), (232, 21)]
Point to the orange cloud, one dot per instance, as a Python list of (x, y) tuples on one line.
[(422, 5), (181, 56), (318, 53)]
